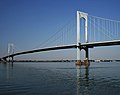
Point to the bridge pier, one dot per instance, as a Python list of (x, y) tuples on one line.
[(86, 60), (78, 62), (10, 59)]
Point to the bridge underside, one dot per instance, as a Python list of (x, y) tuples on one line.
[(42, 49)]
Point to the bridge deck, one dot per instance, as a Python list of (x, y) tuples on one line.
[(89, 45), (42, 49), (104, 43)]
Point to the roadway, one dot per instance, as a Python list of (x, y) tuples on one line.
[(82, 46)]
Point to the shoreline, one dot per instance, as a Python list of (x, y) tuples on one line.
[(65, 60)]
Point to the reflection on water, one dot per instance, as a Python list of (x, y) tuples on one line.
[(99, 79), (9, 68), (59, 79), (82, 82)]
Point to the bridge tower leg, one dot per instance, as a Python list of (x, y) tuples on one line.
[(81, 15), (86, 61), (8, 59), (12, 60), (78, 39), (10, 51)]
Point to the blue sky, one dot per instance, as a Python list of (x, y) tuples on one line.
[(27, 23)]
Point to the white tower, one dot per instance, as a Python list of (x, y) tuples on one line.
[(79, 16), (10, 48)]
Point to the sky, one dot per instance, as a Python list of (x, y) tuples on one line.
[(27, 23)]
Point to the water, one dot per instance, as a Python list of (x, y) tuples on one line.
[(59, 79)]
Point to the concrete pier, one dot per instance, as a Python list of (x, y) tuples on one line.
[(86, 63), (78, 62)]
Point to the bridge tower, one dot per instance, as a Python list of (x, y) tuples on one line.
[(10, 50), (85, 17)]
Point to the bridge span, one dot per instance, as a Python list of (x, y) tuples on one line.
[(81, 46), (101, 32)]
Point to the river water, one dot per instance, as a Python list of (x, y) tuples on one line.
[(47, 78)]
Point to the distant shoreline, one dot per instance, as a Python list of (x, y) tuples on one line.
[(64, 60), (44, 60)]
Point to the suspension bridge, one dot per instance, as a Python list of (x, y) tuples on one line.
[(92, 31)]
